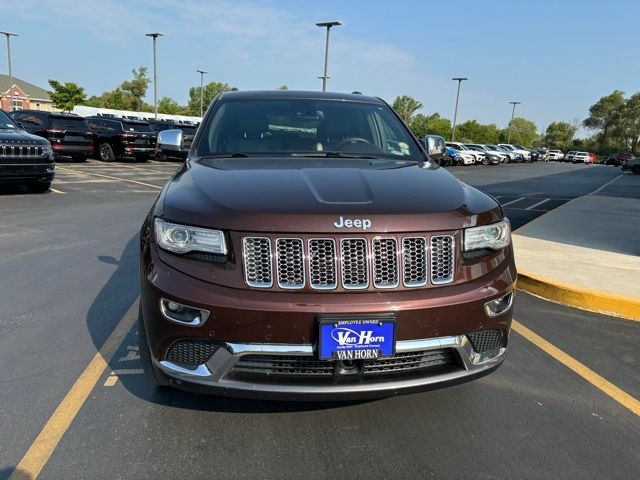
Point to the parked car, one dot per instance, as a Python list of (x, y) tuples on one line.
[(68, 134), (526, 154), (513, 156), (581, 157), (593, 158), (288, 257), (556, 155), (618, 159), (476, 156), (490, 158), (25, 158), (543, 154), (122, 138), (569, 156), (188, 134), (632, 165), (468, 157), (454, 157)]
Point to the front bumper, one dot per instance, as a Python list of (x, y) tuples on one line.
[(18, 172), (217, 374)]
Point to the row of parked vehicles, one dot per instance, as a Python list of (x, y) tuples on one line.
[(489, 154), (106, 137)]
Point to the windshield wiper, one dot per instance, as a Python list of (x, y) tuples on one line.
[(337, 155), (229, 155)]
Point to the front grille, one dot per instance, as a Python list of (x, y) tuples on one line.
[(414, 258), (322, 263), (359, 263), (191, 352), (290, 258), (485, 340), (355, 267), (293, 365), (21, 150), (257, 261), (442, 259)]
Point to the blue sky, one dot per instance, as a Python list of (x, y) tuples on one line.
[(557, 58)]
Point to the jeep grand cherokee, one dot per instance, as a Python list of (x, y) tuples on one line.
[(310, 249)]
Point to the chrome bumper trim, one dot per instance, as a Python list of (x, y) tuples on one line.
[(213, 372)]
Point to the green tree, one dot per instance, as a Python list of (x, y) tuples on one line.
[(282, 87), (604, 113), (627, 125), (475, 132), (406, 106), (169, 106), (118, 100), (66, 96), (136, 88), (524, 132), (431, 125), (559, 135), (210, 91)]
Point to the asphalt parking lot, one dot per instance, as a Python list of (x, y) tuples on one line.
[(69, 288)]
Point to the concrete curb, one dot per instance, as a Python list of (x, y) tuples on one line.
[(580, 297)]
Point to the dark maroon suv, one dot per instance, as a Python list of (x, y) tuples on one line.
[(309, 248)]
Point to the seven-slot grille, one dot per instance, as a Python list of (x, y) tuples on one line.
[(357, 262), (21, 151)]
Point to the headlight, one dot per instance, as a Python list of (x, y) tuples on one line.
[(494, 236), (182, 238)]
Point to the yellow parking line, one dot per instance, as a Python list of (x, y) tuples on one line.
[(117, 178), (45, 443), (57, 191), (619, 395)]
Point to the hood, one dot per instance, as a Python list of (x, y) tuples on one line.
[(320, 195), (21, 136)]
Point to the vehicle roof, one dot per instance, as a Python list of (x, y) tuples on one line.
[(299, 94), (119, 119), (51, 114)]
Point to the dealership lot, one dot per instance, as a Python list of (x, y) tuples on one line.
[(68, 277)]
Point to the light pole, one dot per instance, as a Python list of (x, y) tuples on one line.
[(202, 74), (9, 35), (513, 112), (455, 112), (154, 35), (328, 26)]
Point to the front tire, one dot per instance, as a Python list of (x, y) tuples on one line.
[(151, 372), (106, 153)]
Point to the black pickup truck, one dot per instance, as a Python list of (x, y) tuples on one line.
[(24, 158)]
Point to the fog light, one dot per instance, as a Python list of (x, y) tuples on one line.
[(499, 305), (183, 314)]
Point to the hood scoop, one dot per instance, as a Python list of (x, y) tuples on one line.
[(343, 187)]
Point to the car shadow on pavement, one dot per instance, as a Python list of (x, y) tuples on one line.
[(17, 473), (115, 300)]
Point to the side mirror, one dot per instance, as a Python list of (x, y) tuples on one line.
[(170, 140), (435, 146)]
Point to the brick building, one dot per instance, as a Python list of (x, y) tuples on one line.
[(23, 95)]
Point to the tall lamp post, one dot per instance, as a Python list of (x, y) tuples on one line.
[(202, 74), (154, 35), (455, 112), (9, 35), (328, 26), (513, 112)]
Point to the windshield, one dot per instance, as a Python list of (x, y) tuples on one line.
[(5, 121), (136, 127), (70, 123), (299, 126), (188, 130)]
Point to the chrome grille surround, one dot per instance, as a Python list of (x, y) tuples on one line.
[(385, 262), (442, 259), (290, 263), (349, 263), (258, 261), (414, 261), (322, 264), (354, 260), (21, 150)]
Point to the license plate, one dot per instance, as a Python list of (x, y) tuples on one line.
[(356, 338)]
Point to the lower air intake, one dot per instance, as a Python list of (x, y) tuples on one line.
[(485, 340), (191, 352)]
